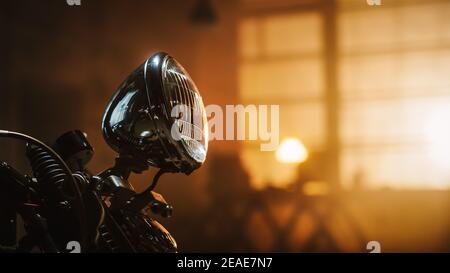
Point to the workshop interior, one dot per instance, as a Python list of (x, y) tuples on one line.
[(363, 92)]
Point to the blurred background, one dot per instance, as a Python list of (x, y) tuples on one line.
[(364, 95)]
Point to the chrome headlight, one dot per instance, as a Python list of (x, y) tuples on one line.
[(157, 115)]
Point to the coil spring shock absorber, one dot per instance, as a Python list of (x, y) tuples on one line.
[(47, 171)]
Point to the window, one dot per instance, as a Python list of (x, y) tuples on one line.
[(281, 63), (394, 84), (393, 81)]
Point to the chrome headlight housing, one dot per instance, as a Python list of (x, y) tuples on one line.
[(157, 115)]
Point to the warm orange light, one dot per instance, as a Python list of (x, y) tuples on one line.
[(291, 150), (438, 139)]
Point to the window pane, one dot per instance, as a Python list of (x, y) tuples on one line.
[(388, 122), (394, 27), (286, 79), (409, 73), (292, 33), (305, 121)]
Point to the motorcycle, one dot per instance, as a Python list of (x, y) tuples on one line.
[(66, 208)]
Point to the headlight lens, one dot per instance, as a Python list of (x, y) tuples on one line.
[(181, 92)]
